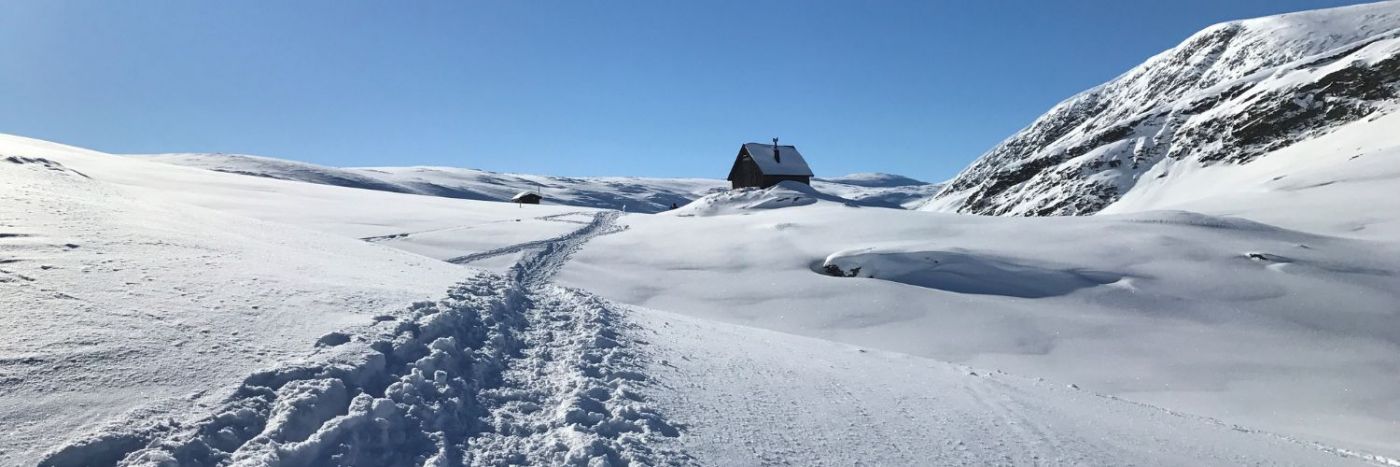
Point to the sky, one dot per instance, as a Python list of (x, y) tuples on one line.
[(580, 87)]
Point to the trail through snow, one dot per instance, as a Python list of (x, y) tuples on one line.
[(507, 369), (515, 370), (565, 239)]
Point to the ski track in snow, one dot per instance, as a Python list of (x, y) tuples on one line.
[(588, 226), (505, 370), (402, 235)]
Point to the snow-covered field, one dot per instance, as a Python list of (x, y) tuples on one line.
[(1267, 294), (1287, 330), (159, 313), (132, 287)]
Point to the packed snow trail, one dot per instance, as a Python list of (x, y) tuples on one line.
[(587, 230), (505, 369)]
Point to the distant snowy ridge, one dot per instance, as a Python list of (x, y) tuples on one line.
[(634, 194), (1229, 95)]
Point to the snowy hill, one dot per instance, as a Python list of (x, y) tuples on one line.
[(634, 194), (879, 188), (1233, 95)]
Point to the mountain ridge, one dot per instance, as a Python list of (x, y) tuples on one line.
[(1228, 95), (636, 194)]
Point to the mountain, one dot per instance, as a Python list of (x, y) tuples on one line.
[(636, 194), (1233, 94)]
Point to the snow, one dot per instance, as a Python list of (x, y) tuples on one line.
[(754, 397), (787, 161), (123, 303), (879, 189), (1322, 185), (875, 180), (1233, 94), (633, 194), (241, 320), (198, 309), (1197, 313)]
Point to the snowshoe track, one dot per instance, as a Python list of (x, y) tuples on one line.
[(506, 369)]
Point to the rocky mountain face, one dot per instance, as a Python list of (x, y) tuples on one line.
[(1229, 94)]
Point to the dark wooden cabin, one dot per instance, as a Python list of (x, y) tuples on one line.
[(527, 197), (763, 165)]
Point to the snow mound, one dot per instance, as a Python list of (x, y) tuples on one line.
[(967, 272), (785, 194)]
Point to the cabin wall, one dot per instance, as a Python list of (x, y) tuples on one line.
[(746, 174)]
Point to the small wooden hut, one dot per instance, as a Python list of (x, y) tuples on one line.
[(763, 165), (527, 197)]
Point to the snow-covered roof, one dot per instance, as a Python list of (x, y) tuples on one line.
[(524, 194), (791, 163)]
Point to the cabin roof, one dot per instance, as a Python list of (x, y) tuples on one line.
[(525, 194), (792, 161)]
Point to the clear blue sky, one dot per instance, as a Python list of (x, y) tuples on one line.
[(654, 88)]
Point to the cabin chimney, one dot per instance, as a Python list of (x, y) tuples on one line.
[(776, 157)]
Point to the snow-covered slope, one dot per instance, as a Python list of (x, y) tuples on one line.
[(633, 194), (120, 302), (879, 188), (163, 315), (1336, 184), (1233, 94)]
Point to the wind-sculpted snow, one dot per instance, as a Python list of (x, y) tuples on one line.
[(1229, 95), (506, 369)]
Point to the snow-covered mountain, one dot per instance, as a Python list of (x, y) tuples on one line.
[(634, 194), (1230, 95)]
